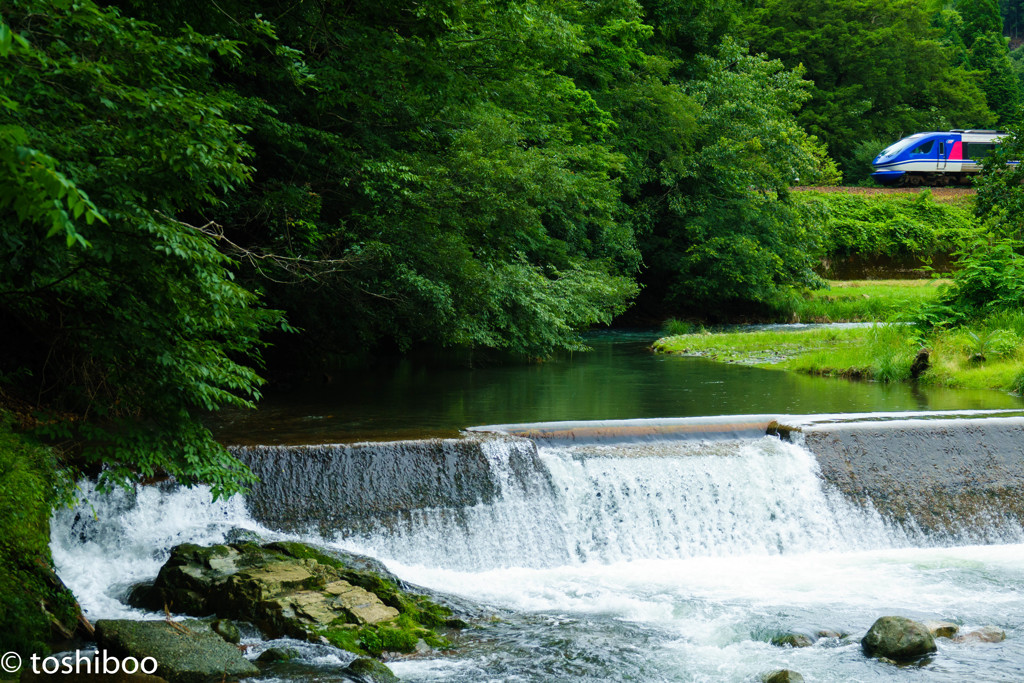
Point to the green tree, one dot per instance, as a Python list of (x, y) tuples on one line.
[(980, 17), (721, 229), (999, 81), (1012, 12), (114, 307), (689, 28), (441, 158), (990, 273), (987, 53)]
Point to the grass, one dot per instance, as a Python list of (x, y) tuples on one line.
[(865, 300), (883, 352), (844, 301), (989, 354), (943, 195), (767, 347)]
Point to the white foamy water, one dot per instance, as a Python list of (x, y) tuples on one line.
[(110, 542), (654, 562), (611, 503)]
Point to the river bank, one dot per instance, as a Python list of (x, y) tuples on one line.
[(989, 355), (985, 353), (37, 608)]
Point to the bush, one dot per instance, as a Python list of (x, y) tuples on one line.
[(886, 225), (990, 278), (673, 326), (857, 168)]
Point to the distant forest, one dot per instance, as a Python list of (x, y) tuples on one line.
[(182, 182)]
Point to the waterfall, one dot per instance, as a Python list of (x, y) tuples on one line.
[(653, 500)]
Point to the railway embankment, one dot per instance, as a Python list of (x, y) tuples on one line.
[(939, 194)]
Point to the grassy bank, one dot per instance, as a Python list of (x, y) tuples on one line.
[(865, 300), (847, 301), (987, 355), (35, 607)]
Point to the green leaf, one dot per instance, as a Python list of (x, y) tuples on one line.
[(6, 39)]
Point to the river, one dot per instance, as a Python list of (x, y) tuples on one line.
[(619, 379), (618, 558)]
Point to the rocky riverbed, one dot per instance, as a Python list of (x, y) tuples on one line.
[(282, 590)]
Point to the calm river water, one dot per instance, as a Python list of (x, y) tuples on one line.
[(620, 379)]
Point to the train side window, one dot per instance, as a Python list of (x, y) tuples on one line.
[(942, 150), (977, 150), (923, 148)]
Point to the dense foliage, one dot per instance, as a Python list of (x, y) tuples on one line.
[(722, 227), (892, 225), (178, 178), (983, 48), (461, 185), (494, 175), (113, 308), (27, 581)]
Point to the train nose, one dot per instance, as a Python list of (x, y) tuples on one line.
[(887, 177)]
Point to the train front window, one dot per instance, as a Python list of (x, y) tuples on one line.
[(923, 148), (897, 147)]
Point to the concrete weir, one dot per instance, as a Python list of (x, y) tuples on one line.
[(943, 475), (949, 473), (633, 431), (359, 486)]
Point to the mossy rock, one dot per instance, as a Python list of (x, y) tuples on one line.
[(782, 676), (187, 652), (370, 671), (227, 630), (403, 635), (793, 640), (899, 639), (278, 654), (299, 591)]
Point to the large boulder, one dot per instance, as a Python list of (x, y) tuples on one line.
[(185, 652), (296, 590), (899, 639)]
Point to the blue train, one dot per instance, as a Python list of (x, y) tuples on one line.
[(937, 158)]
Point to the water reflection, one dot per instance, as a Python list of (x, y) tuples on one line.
[(621, 378)]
